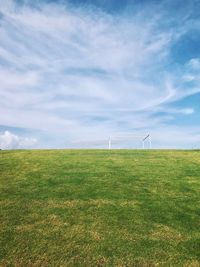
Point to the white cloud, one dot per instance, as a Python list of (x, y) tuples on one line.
[(194, 64), (184, 111), (12, 141)]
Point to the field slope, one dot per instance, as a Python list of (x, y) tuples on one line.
[(99, 208)]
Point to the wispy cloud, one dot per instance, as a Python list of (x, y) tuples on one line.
[(79, 71)]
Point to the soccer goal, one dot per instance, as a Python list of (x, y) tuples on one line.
[(128, 141)]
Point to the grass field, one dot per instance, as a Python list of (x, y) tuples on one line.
[(99, 208)]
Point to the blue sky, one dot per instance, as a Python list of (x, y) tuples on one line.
[(85, 70)]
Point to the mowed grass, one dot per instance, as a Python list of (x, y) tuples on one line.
[(99, 208)]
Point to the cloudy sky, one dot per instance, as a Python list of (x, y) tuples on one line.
[(87, 69)]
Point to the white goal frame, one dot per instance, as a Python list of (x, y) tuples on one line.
[(144, 140)]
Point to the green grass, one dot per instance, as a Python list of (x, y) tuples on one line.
[(99, 208)]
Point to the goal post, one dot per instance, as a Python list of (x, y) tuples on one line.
[(147, 138)]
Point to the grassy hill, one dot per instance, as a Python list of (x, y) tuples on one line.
[(99, 208)]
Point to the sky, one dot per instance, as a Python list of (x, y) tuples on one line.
[(79, 71)]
